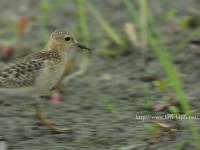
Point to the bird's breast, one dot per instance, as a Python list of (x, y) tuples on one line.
[(49, 76)]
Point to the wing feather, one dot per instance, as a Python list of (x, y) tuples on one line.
[(22, 72)]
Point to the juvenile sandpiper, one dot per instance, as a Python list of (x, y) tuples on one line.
[(33, 75)]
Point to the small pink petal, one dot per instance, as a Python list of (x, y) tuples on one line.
[(56, 97)]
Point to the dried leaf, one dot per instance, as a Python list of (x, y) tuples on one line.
[(6, 52), (23, 22), (170, 129), (130, 30), (162, 125), (160, 107)]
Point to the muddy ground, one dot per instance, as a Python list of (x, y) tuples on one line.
[(101, 105)]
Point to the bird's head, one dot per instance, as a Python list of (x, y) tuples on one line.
[(63, 40)]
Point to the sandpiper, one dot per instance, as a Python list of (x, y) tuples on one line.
[(33, 75)]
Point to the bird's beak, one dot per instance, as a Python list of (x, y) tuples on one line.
[(82, 46)]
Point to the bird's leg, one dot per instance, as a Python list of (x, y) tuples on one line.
[(47, 123)]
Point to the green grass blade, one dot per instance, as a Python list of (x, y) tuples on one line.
[(185, 42), (170, 69), (84, 33), (173, 75), (110, 31), (132, 11), (105, 100), (83, 21)]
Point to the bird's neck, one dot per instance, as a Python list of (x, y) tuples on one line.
[(58, 50)]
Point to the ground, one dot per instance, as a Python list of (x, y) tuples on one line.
[(102, 104)]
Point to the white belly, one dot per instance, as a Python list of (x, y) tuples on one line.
[(48, 79)]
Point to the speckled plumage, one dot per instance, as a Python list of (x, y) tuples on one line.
[(36, 73), (25, 71)]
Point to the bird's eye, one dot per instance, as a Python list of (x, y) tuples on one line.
[(67, 39)]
